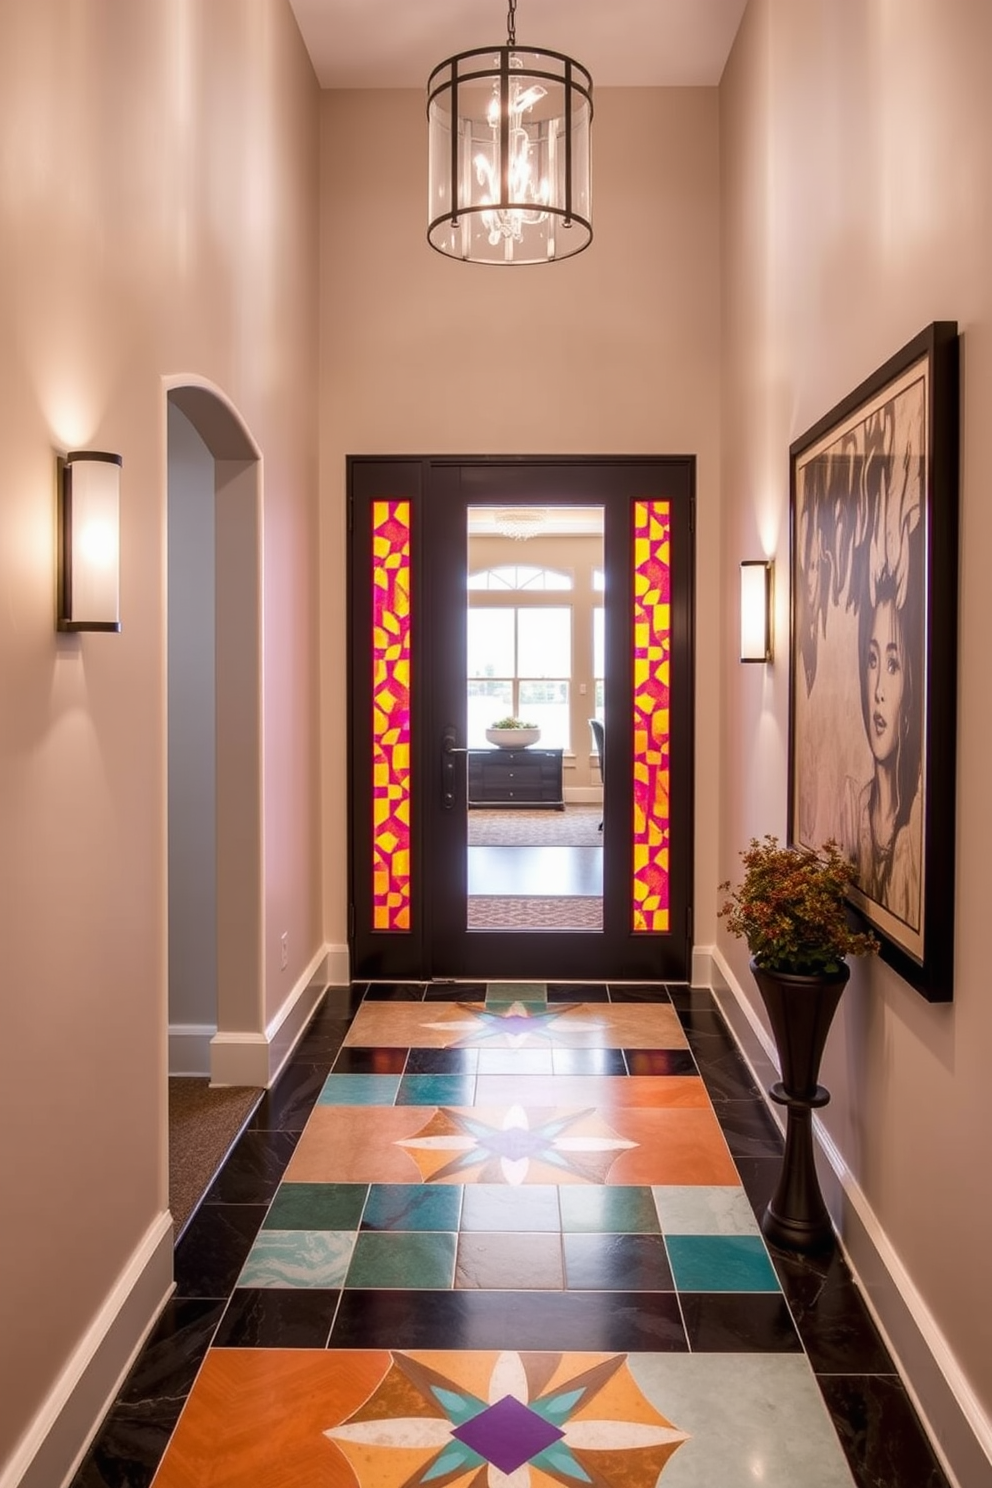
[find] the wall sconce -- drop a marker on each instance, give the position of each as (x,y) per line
(756,610)
(89,541)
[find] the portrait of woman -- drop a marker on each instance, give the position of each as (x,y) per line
(859,696)
(884,827)
(872,700)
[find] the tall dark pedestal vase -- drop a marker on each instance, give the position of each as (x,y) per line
(800,1010)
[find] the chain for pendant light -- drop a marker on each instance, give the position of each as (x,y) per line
(511,24)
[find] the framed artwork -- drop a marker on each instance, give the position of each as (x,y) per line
(874,543)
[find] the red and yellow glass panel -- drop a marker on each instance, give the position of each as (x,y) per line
(391,715)
(651,764)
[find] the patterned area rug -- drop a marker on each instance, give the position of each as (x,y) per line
(576,826)
(537,912)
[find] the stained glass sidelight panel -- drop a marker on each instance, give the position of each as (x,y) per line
(652,660)
(391,715)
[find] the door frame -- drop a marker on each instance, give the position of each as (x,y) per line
(437,487)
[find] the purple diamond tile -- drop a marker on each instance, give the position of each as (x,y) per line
(508,1434)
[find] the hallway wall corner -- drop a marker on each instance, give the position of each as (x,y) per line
(250,1058)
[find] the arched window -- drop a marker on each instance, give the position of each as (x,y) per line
(520,576)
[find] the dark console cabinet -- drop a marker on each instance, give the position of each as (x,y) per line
(515,777)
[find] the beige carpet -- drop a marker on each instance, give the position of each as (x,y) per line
(203,1124)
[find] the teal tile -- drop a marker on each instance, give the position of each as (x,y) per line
(408,1206)
(298,1258)
(720,1263)
(393,1259)
(316,1206)
(436,1090)
(359,1090)
(702,1210)
(533,993)
(608,1210)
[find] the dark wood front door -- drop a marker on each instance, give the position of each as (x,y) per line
(408,570)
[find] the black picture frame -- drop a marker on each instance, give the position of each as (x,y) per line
(873,655)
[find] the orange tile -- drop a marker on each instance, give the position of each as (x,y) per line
(256,1419)
(603,1091)
(441,1025)
(673,1147)
(357,1144)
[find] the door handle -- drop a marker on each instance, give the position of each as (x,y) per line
(448,751)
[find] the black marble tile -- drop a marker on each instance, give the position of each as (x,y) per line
(577,992)
(394,992)
(173,1352)
(126,1454)
(333,1014)
(276,1317)
(703,1022)
(254,1169)
(442,1062)
(646,1322)
(749,1128)
(321,1041)
(455,992)
(288,1104)
(359,1061)
(341,1001)
(132,1439)
(213,1249)
(691,1000)
(759,1176)
(588,1062)
(885,1445)
(739,1322)
(660,1062)
(830,1313)
(617,1263)
(639,992)
(724,1069)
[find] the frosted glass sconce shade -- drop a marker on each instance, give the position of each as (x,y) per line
(89,541)
(756,611)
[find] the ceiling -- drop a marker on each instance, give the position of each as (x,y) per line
(623,43)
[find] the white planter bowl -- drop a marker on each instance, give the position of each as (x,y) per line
(513,738)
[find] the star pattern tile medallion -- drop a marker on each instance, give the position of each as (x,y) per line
(456,1146)
(507,1420)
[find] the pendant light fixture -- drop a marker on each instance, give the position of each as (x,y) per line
(510,166)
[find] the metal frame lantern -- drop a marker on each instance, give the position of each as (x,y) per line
(510,163)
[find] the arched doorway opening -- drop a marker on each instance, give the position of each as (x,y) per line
(216,993)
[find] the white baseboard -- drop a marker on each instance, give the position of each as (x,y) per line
(958,1426)
(702,967)
(249,1058)
(583,795)
(337,966)
(189,1048)
(57,1439)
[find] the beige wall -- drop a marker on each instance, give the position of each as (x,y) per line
(613,352)
(158,184)
(856,141)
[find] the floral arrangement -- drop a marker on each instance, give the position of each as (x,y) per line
(512,723)
(791,908)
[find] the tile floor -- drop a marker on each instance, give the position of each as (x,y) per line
(506,1237)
